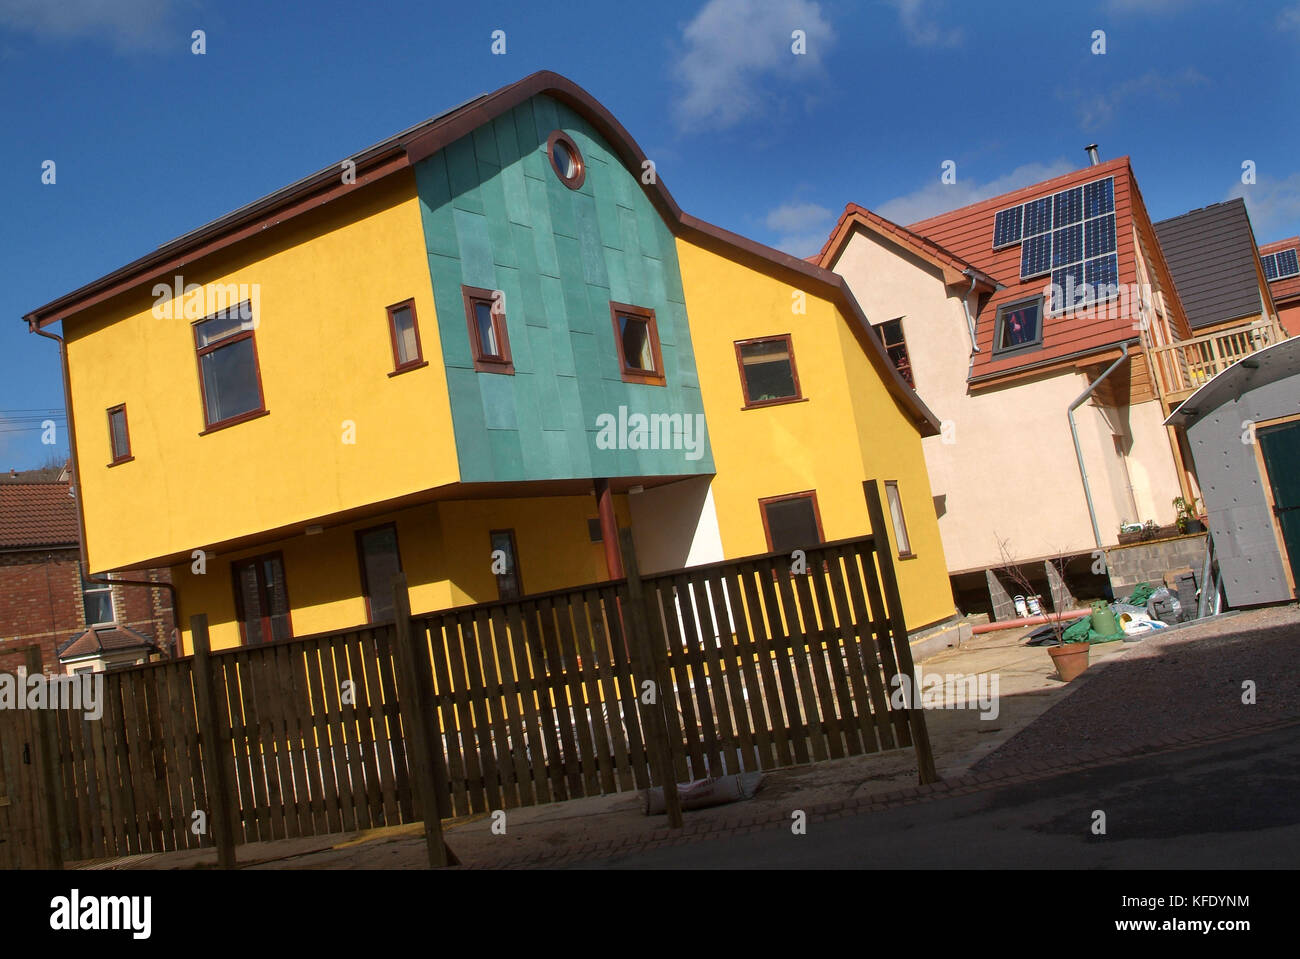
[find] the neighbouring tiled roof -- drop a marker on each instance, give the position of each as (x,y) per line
(104,639)
(33,515)
(1288,289)
(855,214)
(1211,252)
(968,233)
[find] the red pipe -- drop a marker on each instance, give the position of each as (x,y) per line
(1029,621)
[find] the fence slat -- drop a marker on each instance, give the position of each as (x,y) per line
(510,694)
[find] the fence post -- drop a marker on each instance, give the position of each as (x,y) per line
(47,750)
(635,618)
(898,630)
(419,723)
(215,743)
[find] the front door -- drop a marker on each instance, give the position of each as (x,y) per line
(1280,448)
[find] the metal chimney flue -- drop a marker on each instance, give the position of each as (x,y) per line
(1093,158)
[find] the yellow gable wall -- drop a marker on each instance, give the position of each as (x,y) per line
(324,351)
(849,429)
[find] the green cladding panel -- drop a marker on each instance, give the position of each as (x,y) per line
(496,216)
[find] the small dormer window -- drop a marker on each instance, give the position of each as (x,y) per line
(1019,326)
(566,159)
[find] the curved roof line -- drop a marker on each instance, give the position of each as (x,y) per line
(1226,379)
(410,147)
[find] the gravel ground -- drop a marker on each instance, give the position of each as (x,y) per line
(1187,679)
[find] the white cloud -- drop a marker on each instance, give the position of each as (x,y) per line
(924,26)
(1274,205)
(937,197)
(1289,19)
(1098,110)
(737,58)
(801,228)
(128,25)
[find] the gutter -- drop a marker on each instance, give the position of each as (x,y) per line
(1074,434)
(33,326)
(970,321)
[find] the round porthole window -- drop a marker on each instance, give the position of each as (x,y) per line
(566,159)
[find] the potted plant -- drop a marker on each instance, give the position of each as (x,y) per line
(1070,657)
(1188,521)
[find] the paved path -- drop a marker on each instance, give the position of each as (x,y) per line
(1226,804)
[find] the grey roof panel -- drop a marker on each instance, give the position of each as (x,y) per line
(1211,253)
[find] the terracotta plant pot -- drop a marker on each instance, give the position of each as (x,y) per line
(1070,659)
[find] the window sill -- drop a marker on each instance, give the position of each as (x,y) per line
(645,379)
(903,556)
(234,421)
(125,459)
(408,368)
(489,366)
(764,404)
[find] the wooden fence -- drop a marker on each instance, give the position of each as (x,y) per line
(734,666)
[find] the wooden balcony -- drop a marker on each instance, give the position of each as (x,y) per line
(1187,365)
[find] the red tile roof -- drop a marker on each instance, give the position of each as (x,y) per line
(37,514)
(968,234)
(104,639)
(1283,290)
(855,215)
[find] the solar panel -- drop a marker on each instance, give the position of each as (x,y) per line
(1038,216)
(1067,288)
(1099,197)
(1036,256)
(1067,207)
(1099,236)
(1006,227)
(1099,273)
(1067,245)
(1288,264)
(1270,266)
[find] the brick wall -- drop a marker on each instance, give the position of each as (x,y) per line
(40,603)
(1156,563)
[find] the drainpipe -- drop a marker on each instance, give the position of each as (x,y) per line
(34,327)
(970,321)
(1074,433)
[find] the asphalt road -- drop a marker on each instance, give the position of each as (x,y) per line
(1233,805)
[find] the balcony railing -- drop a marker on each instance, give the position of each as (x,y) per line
(1187,365)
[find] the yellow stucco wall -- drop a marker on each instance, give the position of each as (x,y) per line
(445,552)
(849,429)
(324,281)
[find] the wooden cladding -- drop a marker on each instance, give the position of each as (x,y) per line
(537,700)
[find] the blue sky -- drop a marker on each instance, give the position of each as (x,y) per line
(151,140)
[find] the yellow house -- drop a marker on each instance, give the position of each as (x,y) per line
(473,352)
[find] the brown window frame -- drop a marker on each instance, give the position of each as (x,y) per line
(809,494)
(575,181)
(484,363)
(126,432)
(361,562)
(202,351)
(902,554)
(634,374)
(519,571)
(419,360)
(794,372)
(905,371)
(235,564)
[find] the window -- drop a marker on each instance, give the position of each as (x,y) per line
(637,335)
(261,599)
(767,371)
(1019,326)
(380,562)
(510,584)
(891,335)
(791,522)
(900,522)
(228,373)
(489,342)
(118,436)
(566,159)
(97,599)
(405,333)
